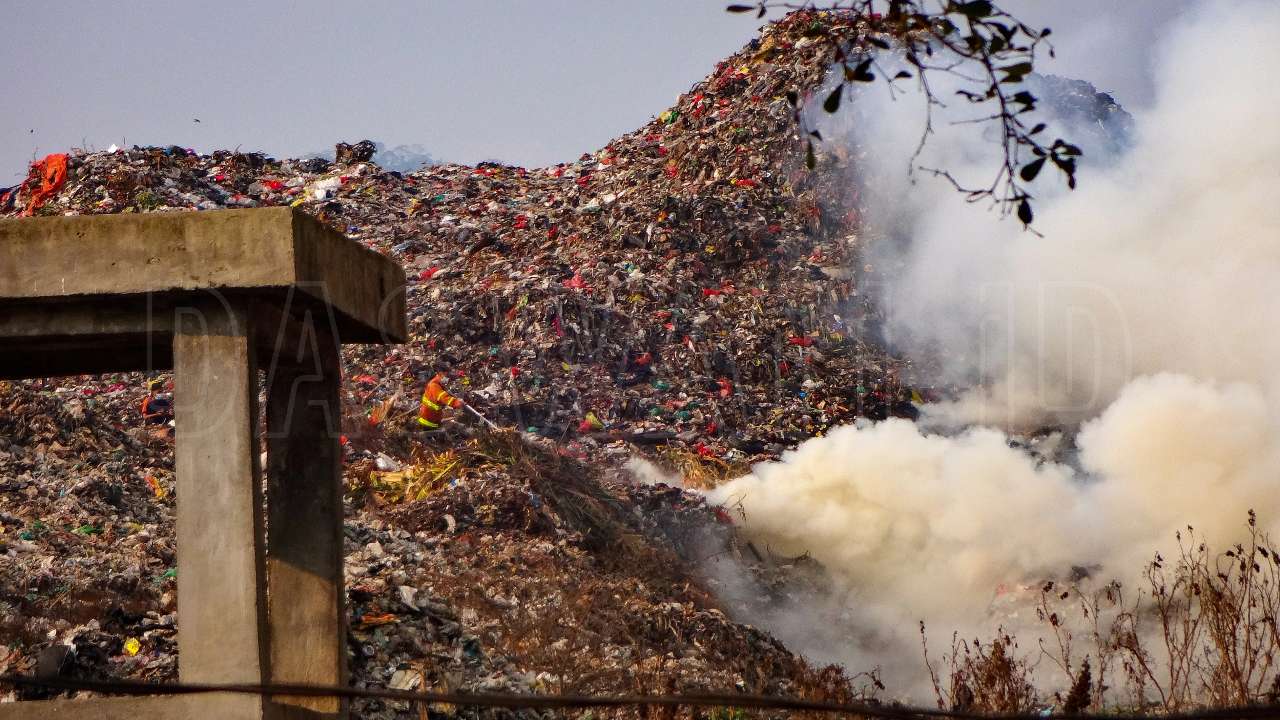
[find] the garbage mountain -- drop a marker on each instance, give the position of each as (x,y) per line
(687,286)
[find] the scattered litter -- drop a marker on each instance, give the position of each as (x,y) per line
(684,291)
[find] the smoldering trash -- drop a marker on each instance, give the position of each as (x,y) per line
(759,420)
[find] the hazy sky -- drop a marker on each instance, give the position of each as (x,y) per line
(531,82)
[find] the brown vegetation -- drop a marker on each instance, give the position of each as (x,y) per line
(1201,633)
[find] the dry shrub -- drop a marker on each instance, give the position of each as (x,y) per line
(1201,633)
(990,678)
(1215,643)
(570,487)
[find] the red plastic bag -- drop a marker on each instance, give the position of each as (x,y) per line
(576,282)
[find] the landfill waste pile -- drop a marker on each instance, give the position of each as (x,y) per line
(401,158)
(491,564)
(692,280)
(86,534)
(689,289)
(1092,117)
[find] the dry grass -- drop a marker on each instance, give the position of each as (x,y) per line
(989,677)
(1202,632)
(697,471)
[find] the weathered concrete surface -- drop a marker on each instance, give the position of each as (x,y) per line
(216,296)
(222,706)
(48,340)
(304,544)
(222,583)
(90,260)
(171,707)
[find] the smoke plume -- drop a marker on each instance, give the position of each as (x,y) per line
(1142,317)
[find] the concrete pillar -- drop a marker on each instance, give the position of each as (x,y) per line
(260,598)
(222,610)
(304,517)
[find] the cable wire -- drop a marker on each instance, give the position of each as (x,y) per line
(511,700)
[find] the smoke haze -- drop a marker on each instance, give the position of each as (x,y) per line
(1144,313)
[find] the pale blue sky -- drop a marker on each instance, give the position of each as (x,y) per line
(527,82)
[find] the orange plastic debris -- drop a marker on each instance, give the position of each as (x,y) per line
(52,172)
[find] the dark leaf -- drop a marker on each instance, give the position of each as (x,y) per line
(902,75)
(832,103)
(792,97)
(1032,169)
(862,72)
(761,13)
(975,9)
(816,135)
(1021,68)
(740,8)
(1046,32)
(809,160)
(1024,212)
(1038,128)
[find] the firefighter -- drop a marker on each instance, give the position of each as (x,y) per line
(434,400)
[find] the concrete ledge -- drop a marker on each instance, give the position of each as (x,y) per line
(282,251)
(160,707)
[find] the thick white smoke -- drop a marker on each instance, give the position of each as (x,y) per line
(1146,306)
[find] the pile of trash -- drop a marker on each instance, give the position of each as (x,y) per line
(692,281)
(692,285)
(517,570)
(523,553)
(86,535)
(1091,118)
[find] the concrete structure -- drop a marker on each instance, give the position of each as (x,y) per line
(219,297)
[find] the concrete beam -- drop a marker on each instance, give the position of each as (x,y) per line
(226,706)
(89,338)
(259,251)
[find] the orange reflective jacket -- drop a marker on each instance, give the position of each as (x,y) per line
(434,400)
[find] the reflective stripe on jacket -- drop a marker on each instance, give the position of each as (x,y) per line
(434,400)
